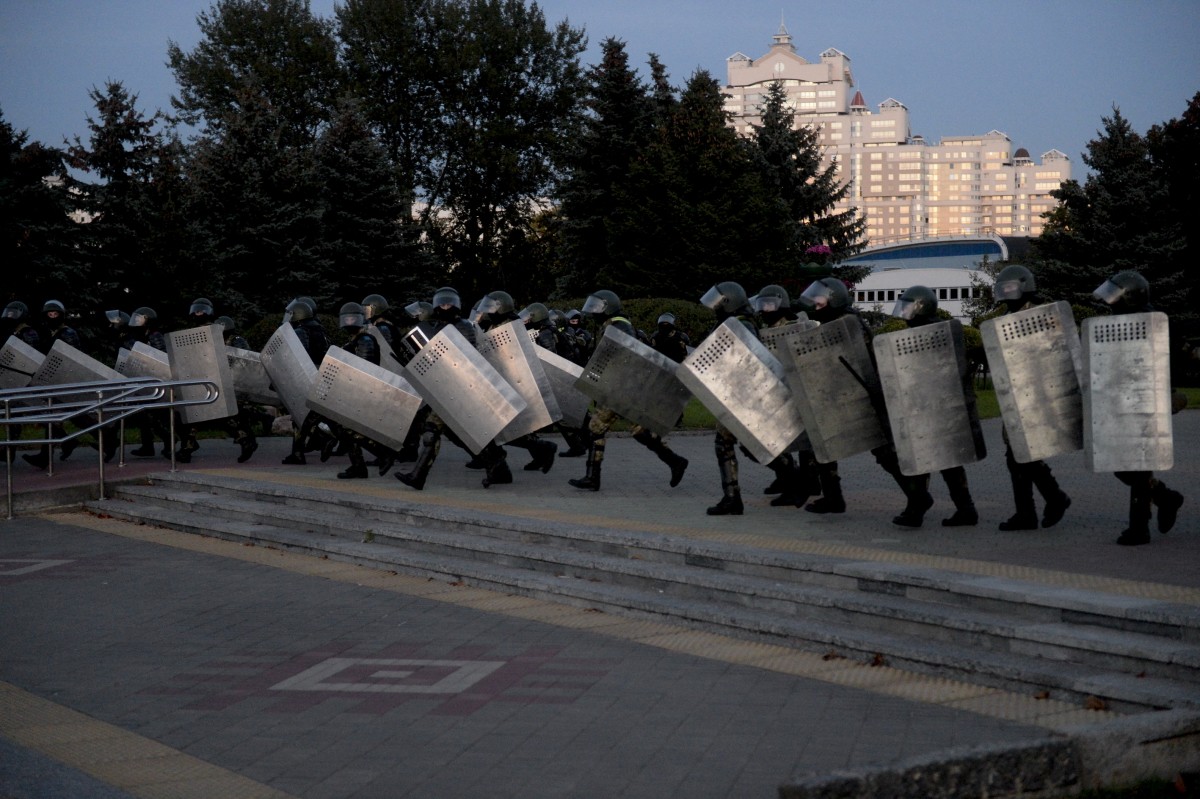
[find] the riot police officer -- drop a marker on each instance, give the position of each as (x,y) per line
(352,319)
(1125,293)
(16,323)
(447,311)
(669,339)
(1016,289)
(537,319)
(55,327)
(301,314)
(143,326)
(584,341)
(604,307)
(917,306)
(827,300)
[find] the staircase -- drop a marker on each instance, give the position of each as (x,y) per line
(1134,654)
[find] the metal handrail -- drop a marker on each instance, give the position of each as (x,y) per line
(120,398)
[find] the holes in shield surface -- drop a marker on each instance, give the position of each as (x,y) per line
(821,339)
(707,357)
(328,378)
(190,339)
(1029,326)
(922,341)
(1115,330)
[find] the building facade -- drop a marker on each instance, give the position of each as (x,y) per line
(905,187)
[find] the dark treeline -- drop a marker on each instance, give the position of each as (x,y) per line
(403,145)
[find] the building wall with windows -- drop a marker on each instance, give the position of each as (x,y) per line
(905,186)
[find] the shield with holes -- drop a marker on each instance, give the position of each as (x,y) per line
(19,362)
(1035,359)
(142,360)
(198,353)
(930,401)
(1127,393)
(742,385)
(510,351)
(291,371)
(363,397)
(634,380)
(250,379)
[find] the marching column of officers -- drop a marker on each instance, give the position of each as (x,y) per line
(798,476)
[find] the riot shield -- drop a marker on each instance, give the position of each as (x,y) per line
(1035,360)
(291,371)
(65,364)
(463,389)
(1127,393)
(835,386)
(19,362)
(930,404)
(635,381)
(144,361)
(251,382)
(563,375)
(773,337)
(366,398)
(198,353)
(510,351)
(387,355)
(743,386)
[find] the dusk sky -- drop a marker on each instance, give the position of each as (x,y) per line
(1043,71)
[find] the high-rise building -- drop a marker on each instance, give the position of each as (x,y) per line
(907,188)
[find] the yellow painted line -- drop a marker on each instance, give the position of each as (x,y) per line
(794,542)
(121,759)
(881,679)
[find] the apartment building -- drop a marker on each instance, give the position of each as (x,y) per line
(906,187)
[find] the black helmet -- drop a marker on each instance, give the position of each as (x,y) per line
(602,303)
(917,305)
(826,299)
(771,301)
(116,319)
(573,316)
(726,298)
(420,310)
(558,318)
(494,306)
(310,302)
(534,313)
(374,306)
(297,311)
(201,307)
(351,316)
(446,296)
(1127,289)
(53,306)
(227,323)
(141,317)
(1013,283)
(16,310)
(666,319)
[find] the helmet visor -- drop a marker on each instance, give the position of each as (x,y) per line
(816,296)
(1007,290)
(906,309)
(595,305)
(352,319)
(447,298)
(138,320)
(768,304)
(1108,292)
(712,298)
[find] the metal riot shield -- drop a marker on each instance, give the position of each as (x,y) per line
(144,361)
(291,371)
(198,353)
(251,383)
(509,350)
(19,362)
(463,389)
(836,387)
(634,380)
(1127,393)
(364,397)
(563,374)
(930,404)
(387,355)
(772,337)
(1035,360)
(65,364)
(742,384)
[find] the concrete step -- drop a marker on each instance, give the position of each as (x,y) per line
(1131,668)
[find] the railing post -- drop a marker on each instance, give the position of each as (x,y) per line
(171,424)
(100,439)
(49,435)
(8,455)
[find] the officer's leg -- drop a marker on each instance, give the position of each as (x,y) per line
(915,488)
(654,443)
(357,469)
(831,499)
(1025,517)
(427,450)
(960,494)
(1055,500)
(730,504)
(1168,503)
(598,426)
(1140,497)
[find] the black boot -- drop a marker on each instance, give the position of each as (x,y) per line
(430,443)
(655,444)
(1168,502)
(358,466)
(731,494)
(965,514)
(248,444)
(591,478)
(790,483)
(831,499)
(1055,499)
(543,453)
(39,459)
(1025,517)
(916,489)
(497,471)
(1138,532)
